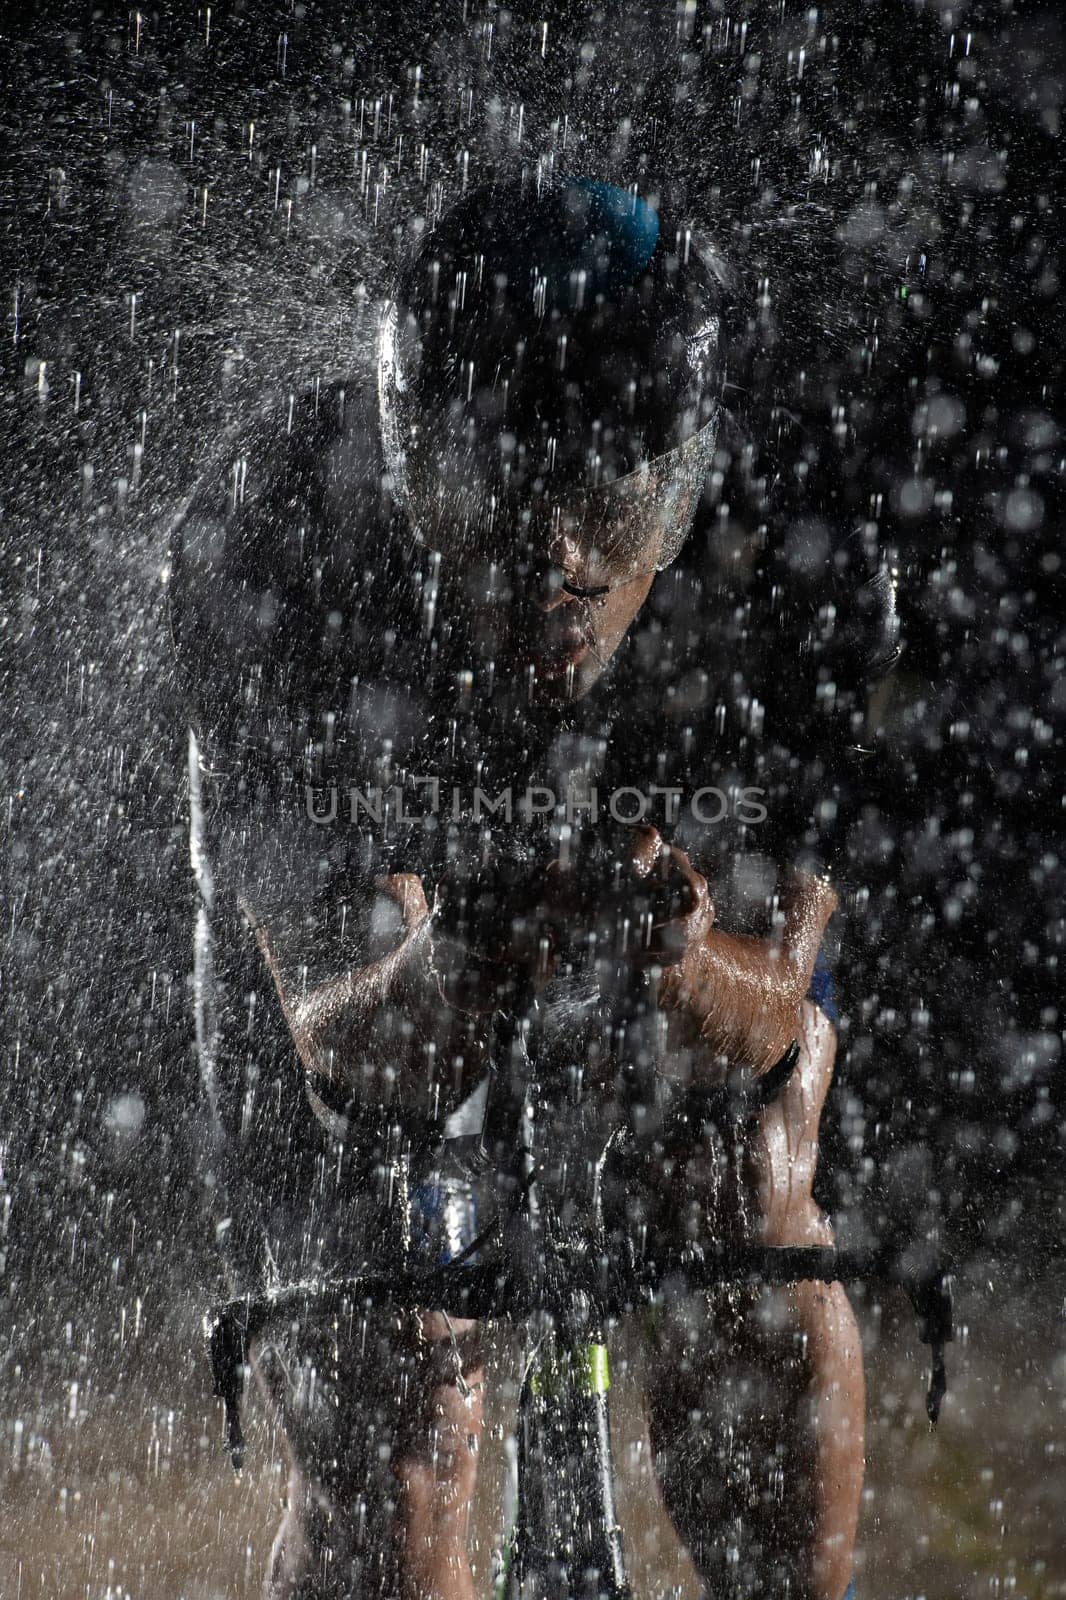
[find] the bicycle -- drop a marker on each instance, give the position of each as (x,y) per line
(557,1277)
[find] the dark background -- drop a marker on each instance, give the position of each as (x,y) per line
(902,202)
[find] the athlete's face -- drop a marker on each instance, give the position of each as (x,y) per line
(542,576)
(548,622)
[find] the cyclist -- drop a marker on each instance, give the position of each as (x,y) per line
(414,594)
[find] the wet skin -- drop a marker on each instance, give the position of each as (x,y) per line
(383,1425)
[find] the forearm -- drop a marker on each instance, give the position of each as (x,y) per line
(374,1017)
(740,997)
(383,1030)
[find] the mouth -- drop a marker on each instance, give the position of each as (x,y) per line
(561,649)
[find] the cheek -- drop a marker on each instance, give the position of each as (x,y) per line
(614,618)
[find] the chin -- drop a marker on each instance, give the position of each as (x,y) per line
(562,688)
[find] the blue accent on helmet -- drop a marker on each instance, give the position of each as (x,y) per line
(581,226)
(628,225)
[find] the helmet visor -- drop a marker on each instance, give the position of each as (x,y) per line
(637,525)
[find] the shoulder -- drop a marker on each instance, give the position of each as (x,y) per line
(280,559)
(293,498)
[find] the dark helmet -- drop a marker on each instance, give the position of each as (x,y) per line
(548,370)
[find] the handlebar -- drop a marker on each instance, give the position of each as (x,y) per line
(584,1289)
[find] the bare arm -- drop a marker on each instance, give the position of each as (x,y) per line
(739,998)
(398,1024)
(733,1000)
(382,1028)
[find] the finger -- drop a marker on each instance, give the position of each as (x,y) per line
(405,890)
(645,849)
(686,913)
(813,898)
(699,906)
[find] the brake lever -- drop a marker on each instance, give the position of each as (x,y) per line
(228,1339)
(930,1294)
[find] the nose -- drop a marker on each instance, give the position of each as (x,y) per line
(558,575)
(553,590)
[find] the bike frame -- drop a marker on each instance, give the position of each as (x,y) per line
(566,1538)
